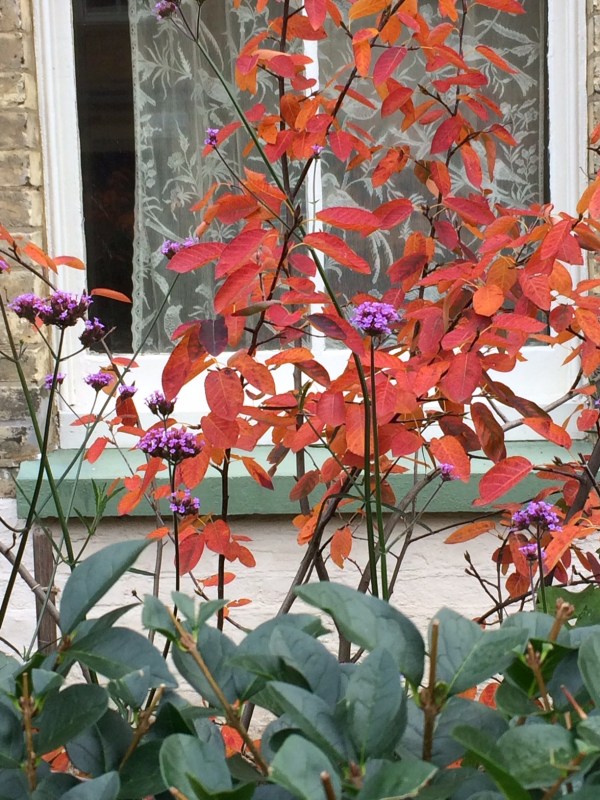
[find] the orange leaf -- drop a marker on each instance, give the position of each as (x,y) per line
(258,473)
(350,218)
(111,294)
(157,533)
(338,250)
(224,392)
(549,430)
(221,433)
(449,450)
(96,449)
(213,580)
(488,299)
(190,551)
(489,431)
(194,257)
(70,261)
(501,478)
(561,541)
(496,59)
(341,546)
(305,484)
(470,531)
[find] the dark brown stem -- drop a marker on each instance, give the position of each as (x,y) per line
(327,786)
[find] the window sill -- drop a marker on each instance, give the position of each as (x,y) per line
(247,497)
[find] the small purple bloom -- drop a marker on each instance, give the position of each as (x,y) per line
(447,472)
(99,380)
(63,308)
(127,391)
(374,318)
(159,405)
(530,551)
(174,444)
(94,331)
(539,514)
(184,504)
(4,267)
(169,248)
(26,306)
(211,137)
(49,380)
(597,402)
(317,149)
(164,9)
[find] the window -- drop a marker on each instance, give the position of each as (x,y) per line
(108,141)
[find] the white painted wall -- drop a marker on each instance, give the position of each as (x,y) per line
(433,574)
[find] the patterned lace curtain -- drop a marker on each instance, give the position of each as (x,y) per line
(177,97)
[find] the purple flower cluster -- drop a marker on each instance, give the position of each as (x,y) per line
(4,267)
(447,472)
(159,405)
(127,391)
(539,514)
(169,248)
(530,551)
(61,308)
(374,318)
(174,444)
(99,380)
(49,380)
(211,137)
(94,331)
(164,9)
(184,504)
(317,149)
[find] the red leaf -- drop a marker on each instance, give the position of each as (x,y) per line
(446,134)
(338,250)
(258,473)
(510,6)
(470,531)
(501,478)
(496,59)
(449,450)
(96,450)
(236,286)
(224,392)
(192,470)
(194,257)
(549,430)
(221,433)
(190,552)
(254,373)
(218,536)
(489,431)
(405,442)
(341,546)
(239,250)
(331,408)
(397,98)
(393,213)
(587,419)
(111,294)
(305,485)
(463,377)
(473,210)
(86,419)
(316,11)
(350,218)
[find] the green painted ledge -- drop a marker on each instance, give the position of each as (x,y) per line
(247,497)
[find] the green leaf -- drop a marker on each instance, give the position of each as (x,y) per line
(459,712)
(489,756)
(182,756)
(54,786)
(514,702)
(537,624)
(156,617)
(9,667)
(589,730)
(298,766)
(217,651)
(589,659)
(376,706)
(370,622)
(132,689)
(532,753)
(140,776)
(586,603)
(467,655)
(106,787)
(310,714)
(67,713)
(11,736)
(119,651)
(101,747)
(44,681)
(91,579)
(387,780)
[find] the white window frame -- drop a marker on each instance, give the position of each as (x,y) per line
(542,376)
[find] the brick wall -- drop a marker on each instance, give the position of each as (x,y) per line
(22,212)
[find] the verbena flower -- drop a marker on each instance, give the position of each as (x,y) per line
(49,379)
(127,391)
(530,551)
(174,444)
(317,149)
(98,380)
(374,318)
(211,137)
(159,405)
(25,306)
(184,504)
(4,267)
(447,472)
(169,248)
(539,514)
(94,331)
(164,9)
(63,309)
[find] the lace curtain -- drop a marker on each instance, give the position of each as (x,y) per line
(177,97)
